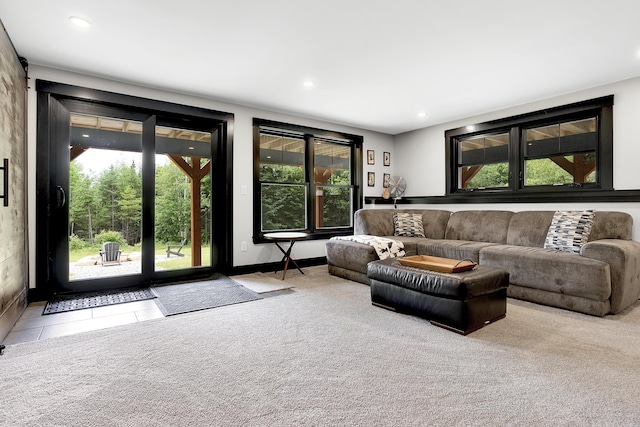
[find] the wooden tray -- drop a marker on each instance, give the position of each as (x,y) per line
(434,263)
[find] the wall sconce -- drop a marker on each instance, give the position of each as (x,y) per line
(5,169)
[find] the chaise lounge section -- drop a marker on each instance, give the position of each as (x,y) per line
(603,278)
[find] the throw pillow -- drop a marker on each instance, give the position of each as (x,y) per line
(569,230)
(408,224)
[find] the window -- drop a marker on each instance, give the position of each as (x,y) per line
(306,179)
(566,148)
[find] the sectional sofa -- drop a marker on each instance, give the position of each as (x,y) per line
(603,278)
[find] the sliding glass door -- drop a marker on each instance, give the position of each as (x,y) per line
(129,196)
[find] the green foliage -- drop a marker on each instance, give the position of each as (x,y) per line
(493,175)
(76,243)
(112,200)
(337,207)
(109,236)
(173,204)
(284,206)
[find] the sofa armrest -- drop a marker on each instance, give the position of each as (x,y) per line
(623,257)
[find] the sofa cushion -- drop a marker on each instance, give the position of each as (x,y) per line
(350,255)
(611,225)
(379,222)
(529,228)
(569,230)
(551,270)
(452,249)
(479,226)
(408,224)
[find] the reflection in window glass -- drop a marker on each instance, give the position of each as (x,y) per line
(283,207)
(281,159)
(332,173)
(183,198)
(483,161)
(562,153)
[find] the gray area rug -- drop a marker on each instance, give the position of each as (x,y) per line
(215,292)
(63,303)
(324,356)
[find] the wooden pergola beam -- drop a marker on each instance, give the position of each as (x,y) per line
(195,174)
(468,173)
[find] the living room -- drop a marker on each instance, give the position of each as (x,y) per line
(417,152)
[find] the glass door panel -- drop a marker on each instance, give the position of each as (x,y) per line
(105,197)
(183,199)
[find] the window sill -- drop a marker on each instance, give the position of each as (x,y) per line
(578,196)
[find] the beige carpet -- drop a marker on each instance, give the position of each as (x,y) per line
(323,355)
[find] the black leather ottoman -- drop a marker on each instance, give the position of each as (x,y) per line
(462,302)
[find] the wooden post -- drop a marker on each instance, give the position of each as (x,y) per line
(195,174)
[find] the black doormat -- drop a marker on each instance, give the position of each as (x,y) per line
(215,292)
(62,303)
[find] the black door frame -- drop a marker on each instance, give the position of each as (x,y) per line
(53,124)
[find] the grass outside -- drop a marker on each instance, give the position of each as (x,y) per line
(173,263)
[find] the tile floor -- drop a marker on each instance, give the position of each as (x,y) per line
(33,325)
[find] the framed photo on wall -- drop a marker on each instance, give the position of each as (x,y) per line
(385,180)
(386,158)
(371,157)
(371,179)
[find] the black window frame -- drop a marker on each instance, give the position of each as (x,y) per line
(600,108)
(309,135)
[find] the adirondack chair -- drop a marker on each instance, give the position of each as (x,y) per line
(110,253)
(176,252)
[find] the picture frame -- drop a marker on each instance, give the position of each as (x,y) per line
(386,158)
(371,179)
(385,180)
(371,157)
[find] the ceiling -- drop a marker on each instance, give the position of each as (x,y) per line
(375,64)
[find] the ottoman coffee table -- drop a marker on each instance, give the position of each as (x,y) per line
(462,302)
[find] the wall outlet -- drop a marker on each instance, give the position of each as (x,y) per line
(243,246)
(243,189)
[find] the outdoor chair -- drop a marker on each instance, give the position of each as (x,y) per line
(176,252)
(110,253)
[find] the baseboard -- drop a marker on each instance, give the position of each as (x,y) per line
(273,266)
(11,315)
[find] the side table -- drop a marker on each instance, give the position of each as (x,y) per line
(286,236)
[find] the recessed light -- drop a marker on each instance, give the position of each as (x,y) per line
(308,84)
(471,128)
(422,114)
(190,148)
(80,21)
(85,135)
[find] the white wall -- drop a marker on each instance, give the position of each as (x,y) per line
(422,152)
(242,159)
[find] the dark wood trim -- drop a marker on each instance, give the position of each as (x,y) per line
(601,108)
(147,105)
(273,266)
(55,96)
(574,196)
(308,134)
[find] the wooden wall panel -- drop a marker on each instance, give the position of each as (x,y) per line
(13,272)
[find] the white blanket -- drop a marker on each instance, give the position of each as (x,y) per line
(385,248)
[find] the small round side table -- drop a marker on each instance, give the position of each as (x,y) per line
(286,236)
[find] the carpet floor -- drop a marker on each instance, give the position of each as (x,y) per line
(322,355)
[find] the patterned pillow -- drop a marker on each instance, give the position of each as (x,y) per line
(408,224)
(569,230)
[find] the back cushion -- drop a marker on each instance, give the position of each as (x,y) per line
(479,226)
(379,222)
(611,225)
(529,228)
